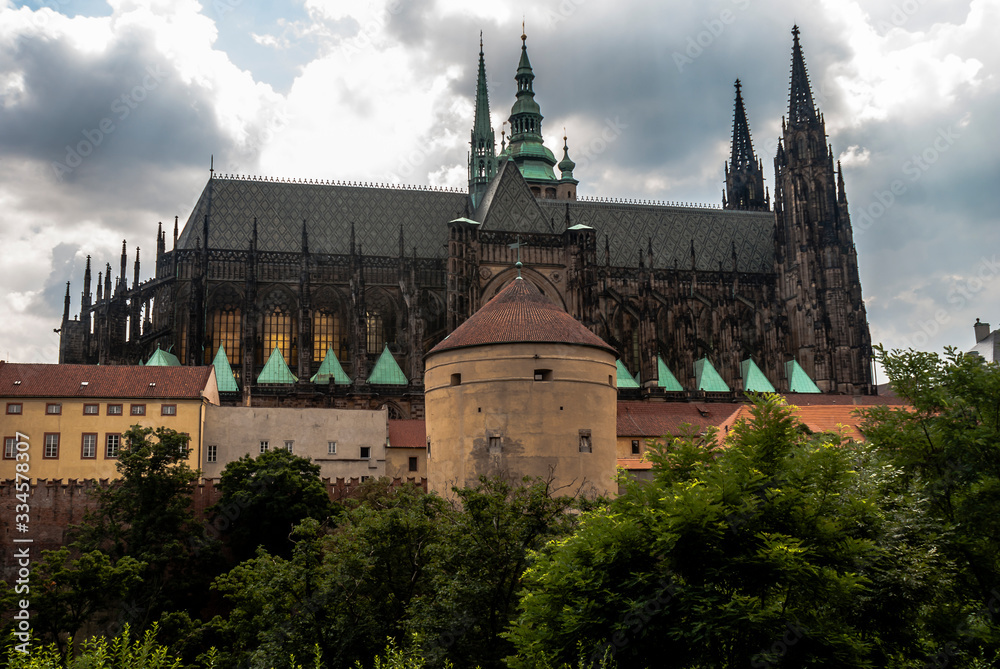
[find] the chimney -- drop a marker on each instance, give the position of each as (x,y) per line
(982,330)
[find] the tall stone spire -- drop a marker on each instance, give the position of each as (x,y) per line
(800,101)
(815,258)
(744,172)
(483,154)
(526,147)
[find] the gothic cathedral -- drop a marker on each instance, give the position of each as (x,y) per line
(318,293)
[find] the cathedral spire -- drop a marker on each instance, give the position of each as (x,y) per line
(534,160)
(483,156)
(742,149)
(744,173)
(800,101)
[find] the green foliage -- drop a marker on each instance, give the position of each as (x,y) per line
(482,554)
(344,590)
(264,497)
(68,593)
(121,652)
(772,550)
(146,515)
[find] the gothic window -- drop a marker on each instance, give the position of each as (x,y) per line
(226,332)
(376,332)
(380,321)
(182,341)
(278,334)
(326,333)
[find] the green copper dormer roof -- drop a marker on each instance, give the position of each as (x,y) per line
(331,371)
(625,379)
(754,380)
(707,379)
(798,380)
(224,372)
(161,358)
(276,371)
(665,378)
(387,372)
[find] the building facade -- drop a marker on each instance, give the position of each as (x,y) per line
(311,269)
(71,417)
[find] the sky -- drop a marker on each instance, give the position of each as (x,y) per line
(110,113)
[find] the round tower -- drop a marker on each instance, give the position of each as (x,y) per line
(522,389)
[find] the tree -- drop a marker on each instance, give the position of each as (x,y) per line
(146,514)
(769,549)
(947,444)
(483,553)
(66,593)
(263,498)
(344,589)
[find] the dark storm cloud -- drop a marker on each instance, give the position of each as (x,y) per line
(102,122)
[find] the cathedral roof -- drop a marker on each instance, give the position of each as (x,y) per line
(507,205)
(672,231)
(280,207)
(520,314)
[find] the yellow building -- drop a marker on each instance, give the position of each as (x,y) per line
(69,418)
(521,389)
(406,452)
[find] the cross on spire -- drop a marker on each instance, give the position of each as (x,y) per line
(517,245)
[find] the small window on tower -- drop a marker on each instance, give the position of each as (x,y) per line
(495,447)
(456,379)
(585,444)
(543,375)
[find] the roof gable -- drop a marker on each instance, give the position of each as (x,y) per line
(331,371)
(161,358)
(224,372)
(386,371)
(798,380)
(753,378)
(707,379)
(276,371)
(509,204)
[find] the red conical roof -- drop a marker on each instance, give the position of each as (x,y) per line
(520,313)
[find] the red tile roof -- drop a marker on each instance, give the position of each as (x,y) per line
(407,434)
(840,418)
(634,463)
(657,419)
(810,399)
(102,381)
(520,313)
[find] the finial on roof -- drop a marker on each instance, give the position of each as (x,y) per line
(211,166)
(517,245)
(524,33)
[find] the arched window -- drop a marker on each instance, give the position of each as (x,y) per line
(376,332)
(226,331)
(326,333)
(278,334)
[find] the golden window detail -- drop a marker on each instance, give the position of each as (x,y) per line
(226,331)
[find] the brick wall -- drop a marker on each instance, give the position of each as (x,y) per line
(58,504)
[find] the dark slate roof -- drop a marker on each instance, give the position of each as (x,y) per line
(520,313)
(102,381)
(715,232)
(281,206)
(509,205)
